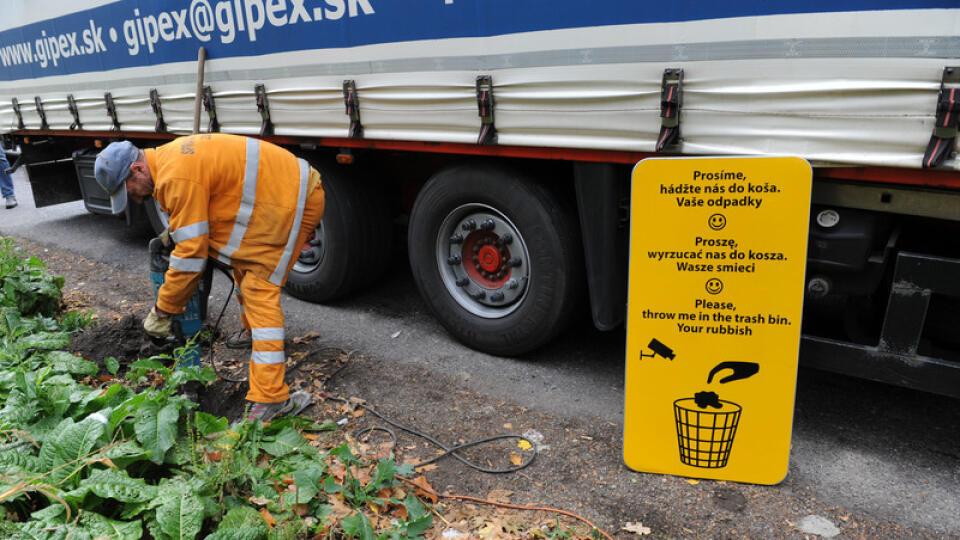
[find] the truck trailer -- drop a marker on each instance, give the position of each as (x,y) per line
(495,138)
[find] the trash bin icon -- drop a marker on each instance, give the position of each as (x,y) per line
(705,436)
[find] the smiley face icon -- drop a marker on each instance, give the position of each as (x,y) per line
(717,221)
(714,286)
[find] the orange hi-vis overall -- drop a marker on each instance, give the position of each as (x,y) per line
(249,204)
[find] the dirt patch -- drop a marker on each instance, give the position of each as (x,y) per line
(123,339)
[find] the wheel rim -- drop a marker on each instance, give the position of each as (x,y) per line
(483,260)
(312,252)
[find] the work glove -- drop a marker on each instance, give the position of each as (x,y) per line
(156,326)
(165,238)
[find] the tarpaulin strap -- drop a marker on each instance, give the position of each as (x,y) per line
(944,135)
(41,113)
(352,103)
(211,107)
(16,110)
(485,106)
(75,111)
(671,99)
(112,110)
(263,107)
(161,126)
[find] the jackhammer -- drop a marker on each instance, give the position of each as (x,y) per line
(189,323)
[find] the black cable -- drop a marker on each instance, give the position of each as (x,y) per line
(447,451)
(366,430)
(216,327)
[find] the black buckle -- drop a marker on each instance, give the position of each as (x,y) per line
(485,108)
(16,110)
(75,111)
(671,100)
(161,126)
(944,135)
(211,107)
(263,107)
(352,103)
(41,113)
(112,110)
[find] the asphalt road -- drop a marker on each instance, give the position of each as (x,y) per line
(889,452)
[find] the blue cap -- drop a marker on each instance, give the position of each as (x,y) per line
(112,168)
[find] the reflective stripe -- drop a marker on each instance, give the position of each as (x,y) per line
(190,231)
(281,271)
(246,203)
(268,357)
(188,265)
(263,334)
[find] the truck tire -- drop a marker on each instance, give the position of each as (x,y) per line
(496,257)
(352,244)
(159,220)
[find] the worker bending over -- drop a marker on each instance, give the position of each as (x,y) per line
(244,202)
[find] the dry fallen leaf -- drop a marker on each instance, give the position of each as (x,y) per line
(494,530)
(500,496)
(524,444)
(426,468)
(516,460)
(268,517)
(338,507)
(306,338)
(424,489)
(384,450)
(636,528)
(109,463)
(692,482)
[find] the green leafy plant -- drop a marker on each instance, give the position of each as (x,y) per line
(81,458)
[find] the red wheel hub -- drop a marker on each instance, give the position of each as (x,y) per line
(484,260)
(489,258)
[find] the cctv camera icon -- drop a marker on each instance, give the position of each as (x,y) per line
(658,349)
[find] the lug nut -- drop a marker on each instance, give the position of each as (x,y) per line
(469,225)
(453,260)
(512,284)
(497,297)
(462,282)
(488,225)
(479,295)
(505,239)
(456,239)
(515,261)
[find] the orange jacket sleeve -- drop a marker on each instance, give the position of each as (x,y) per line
(187,203)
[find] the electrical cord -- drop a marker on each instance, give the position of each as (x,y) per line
(216,327)
(450,451)
(447,450)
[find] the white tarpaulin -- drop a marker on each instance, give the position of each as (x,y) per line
(855,87)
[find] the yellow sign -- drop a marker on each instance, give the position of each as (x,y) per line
(717,254)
